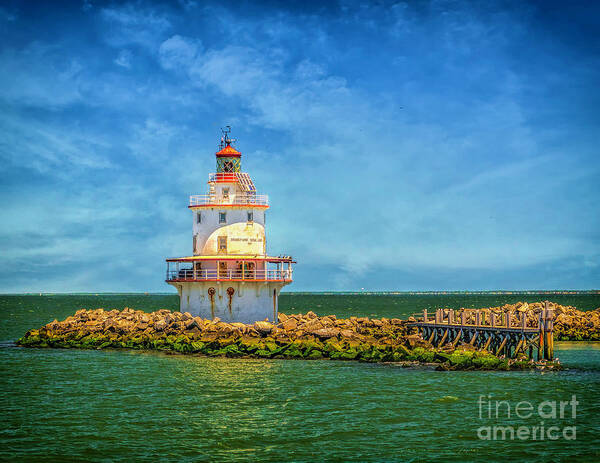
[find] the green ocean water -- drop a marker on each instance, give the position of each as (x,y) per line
(117,405)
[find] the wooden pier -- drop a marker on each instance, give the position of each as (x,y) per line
(507,333)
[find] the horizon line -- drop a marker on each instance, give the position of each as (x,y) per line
(327,292)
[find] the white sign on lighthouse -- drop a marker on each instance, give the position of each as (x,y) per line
(229,275)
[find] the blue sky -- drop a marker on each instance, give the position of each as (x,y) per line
(405,146)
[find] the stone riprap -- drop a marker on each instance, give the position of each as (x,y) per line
(301,336)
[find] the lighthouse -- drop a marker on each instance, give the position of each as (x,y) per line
(230,275)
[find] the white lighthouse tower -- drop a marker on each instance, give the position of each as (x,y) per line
(229,275)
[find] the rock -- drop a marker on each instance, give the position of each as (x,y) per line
(524,307)
(290,324)
(326,333)
(348,334)
(241,327)
(414,340)
(281,317)
(312,325)
(263,328)
(563,319)
(191,323)
(160,325)
(310,314)
(326,321)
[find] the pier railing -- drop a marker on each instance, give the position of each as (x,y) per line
(506,332)
(229,275)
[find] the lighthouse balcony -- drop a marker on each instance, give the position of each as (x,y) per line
(229,275)
(229,268)
(231,200)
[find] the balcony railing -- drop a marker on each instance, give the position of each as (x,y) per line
(223,177)
(238,199)
(232,275)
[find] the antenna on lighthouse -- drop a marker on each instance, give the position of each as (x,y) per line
(225,140)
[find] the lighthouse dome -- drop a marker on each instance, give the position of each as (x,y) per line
(228,152)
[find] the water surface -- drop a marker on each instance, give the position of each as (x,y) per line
(117,405)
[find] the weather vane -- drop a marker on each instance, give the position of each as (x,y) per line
(225,140)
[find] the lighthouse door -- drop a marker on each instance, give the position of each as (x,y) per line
(222,244)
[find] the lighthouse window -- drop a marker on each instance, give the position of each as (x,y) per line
(225,193)
(198,218)
(250,216)
(222,217)
(222,244)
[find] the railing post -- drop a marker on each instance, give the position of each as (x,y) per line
(462,317)
(477,318)
(548,332)
(450,316)
(542,341)
(508,317)
(424,315)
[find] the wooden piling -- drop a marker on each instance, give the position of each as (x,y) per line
(502,344)
(458,336)
(441,343)
(519,345)
(549,333)
(487,343)
(473,338)
(542,327)
(430,340)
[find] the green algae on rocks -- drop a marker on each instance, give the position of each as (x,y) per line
(296,336)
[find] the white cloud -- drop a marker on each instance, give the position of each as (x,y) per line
(50,148)
(178,52)
(124,59)
(39,74)
(133,23)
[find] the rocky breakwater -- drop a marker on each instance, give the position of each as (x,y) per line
(571,324)
(300,336)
